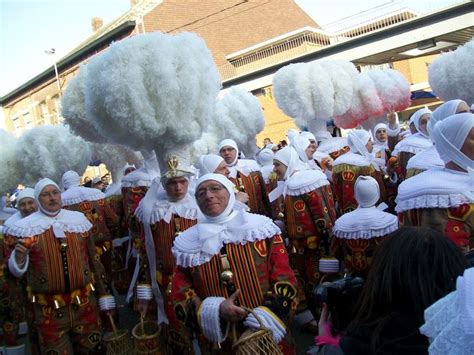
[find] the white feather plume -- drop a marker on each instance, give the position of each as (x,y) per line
(451,75)
(73,108)
(153,91)
(239,116)
(291,89)
(318,90)
(115,156)
(10,173)
(49,151)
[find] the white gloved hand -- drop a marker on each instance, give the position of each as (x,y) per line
(269,320)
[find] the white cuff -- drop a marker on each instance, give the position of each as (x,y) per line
(393,132)
(107,303)
(23,328)
(270,321)
(15,269)
(209,319)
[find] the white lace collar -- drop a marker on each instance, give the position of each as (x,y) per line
(113,190)
(11,221)
(351,159)
(200,243)
(449,322)
(427,159)
(38,222)
(78,194)
(435,188)
(413,144)
(305,181)
(365,223)
(243,166)
(299,183)
(163,209)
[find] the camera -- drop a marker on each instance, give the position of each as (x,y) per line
(340,296)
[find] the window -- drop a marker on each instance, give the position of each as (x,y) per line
(16,122)
(27,119)
(56,115)
(44,113)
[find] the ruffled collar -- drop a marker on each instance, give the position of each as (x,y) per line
(365,223)
(427,159)
(163,209)
(413,144)
(305,181)
(352,159)
(435,188)
(38,222)
(113,190)
(332,145)
(200,243)
(78,194)
(11,221)
(243,166)
(299,183)
(449,322)
(6,213)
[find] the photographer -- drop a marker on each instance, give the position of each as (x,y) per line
(419,266)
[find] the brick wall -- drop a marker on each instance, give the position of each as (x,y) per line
(228,26)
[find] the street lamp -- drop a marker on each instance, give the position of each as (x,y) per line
(52,51)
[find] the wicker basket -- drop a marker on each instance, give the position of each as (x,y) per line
(118,343)
(255,341)
(147,338)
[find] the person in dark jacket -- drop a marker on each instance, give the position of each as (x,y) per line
(411,270)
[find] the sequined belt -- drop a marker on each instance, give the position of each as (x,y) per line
(57,301)
(103,247)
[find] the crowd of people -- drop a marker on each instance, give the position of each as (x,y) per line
(215,251)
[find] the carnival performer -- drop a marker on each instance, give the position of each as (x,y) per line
(358,233)
(134,186)
(213,164)
(414,143)
(121,242)
(349,166)
(381,150)
(98,184)
(163,214)
(443,198)
(309,215)
(245,175)
(13,315)
(305,150)
(265,159)
(231,259)
(53,248)
(429,158)
(91,202)
(26,205)
(311,150)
